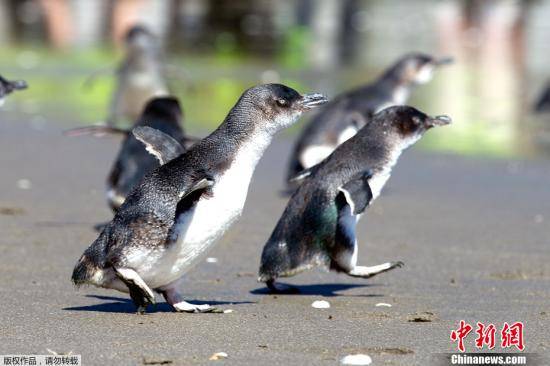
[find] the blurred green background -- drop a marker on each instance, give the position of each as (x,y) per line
(501,50)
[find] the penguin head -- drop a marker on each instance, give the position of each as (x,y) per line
(167,109)
(19,85)
(6,87)
(140,38)
(418,68)
(276,106)
(407,123)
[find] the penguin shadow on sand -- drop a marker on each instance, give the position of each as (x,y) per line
(327,290)
(116,304)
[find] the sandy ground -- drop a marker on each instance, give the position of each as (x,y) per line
(474,235)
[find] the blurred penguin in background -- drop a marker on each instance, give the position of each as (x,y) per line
(140,77)
(347,113)
(7,87)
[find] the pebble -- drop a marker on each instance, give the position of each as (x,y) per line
(218,356)
(358,359)
(320,304)
(24,184)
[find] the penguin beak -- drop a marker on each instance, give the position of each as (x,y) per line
(310,101)
(19,84)
(438,121)
(443,61)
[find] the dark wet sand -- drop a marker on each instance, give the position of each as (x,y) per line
(474,235)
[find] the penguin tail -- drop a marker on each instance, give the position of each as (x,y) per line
(264,277)
(271,264)
(90,268)
(266,272)
(86,272)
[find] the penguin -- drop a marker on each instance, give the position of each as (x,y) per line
(7,87)
(317,227)
(133,161)
(175,214)
(347,113)
(543,102)
(140,77)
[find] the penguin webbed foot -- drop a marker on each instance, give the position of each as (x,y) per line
(174,298)
(140,299)
(279,288)
(397,264)
(367,272)
(185,307)
(140,293)
(140,309)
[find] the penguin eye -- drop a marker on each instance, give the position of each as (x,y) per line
(282,102)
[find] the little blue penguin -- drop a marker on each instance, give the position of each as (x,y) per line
(140,77)
(7,87)
(347,113)
(317,227)
(170,220)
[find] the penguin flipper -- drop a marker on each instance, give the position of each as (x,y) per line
(353,198)
(96,130)
(357,192)
(157,143)
(191,194)
(199,185)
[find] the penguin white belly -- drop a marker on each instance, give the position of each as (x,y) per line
(197,229)
(425,74)
(379,179)
(146,79)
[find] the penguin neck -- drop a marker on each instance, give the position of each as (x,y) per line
(143,60)
(245,143)
(251,149)
(383,172)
